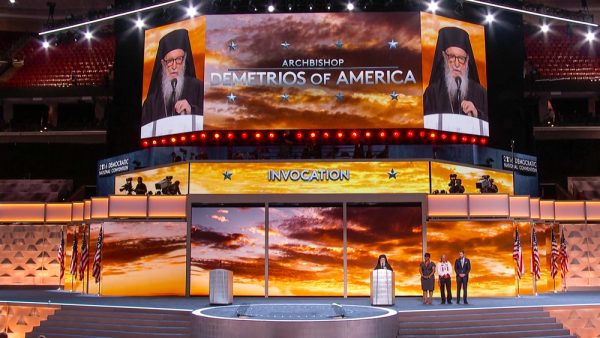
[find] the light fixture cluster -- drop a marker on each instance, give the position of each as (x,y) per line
(381,136)
(88,35)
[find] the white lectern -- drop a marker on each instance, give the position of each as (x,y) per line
(382,287)
(220,287)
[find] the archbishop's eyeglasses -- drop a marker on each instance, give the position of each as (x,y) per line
(456,58)
(178,60)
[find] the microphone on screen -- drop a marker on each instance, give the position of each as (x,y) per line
(458,93)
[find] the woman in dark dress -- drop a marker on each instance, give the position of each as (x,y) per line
(427,269)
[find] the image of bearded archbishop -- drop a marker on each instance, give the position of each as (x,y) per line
(174,89)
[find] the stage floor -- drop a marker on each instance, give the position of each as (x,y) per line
(402,303)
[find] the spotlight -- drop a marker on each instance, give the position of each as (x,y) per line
(192,11)
(329,6)
(12,1)
(46,44)
(310,6)
(88,35)
(139,23)
(350,6)
(489,18)
(271,8)
(290,7)
(433,6)
(590,36)
(545,28)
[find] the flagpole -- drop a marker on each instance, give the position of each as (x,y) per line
(564,279)
(517,256)
(553,259)
(62,238)
(73,254)
(534,279)
(87,268)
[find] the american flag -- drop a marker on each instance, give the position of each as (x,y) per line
(554,258)
(518,254)
(535,256)
(74,266)
(61,254)
(97,267)
(564,257)
(85,260)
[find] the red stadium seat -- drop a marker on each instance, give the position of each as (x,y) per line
(53,67)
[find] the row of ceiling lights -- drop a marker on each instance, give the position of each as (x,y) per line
(433,6)
(490,18)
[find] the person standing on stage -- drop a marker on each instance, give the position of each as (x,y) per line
(444,270)
(383,264)
(462,266)
(427,269)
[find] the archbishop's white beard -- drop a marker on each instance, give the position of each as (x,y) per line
(167,88)
(451,81)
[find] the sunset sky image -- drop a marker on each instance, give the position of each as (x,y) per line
(306,251)
(229,238)
(489,246)
(144,258)
(258,42)
(394,231)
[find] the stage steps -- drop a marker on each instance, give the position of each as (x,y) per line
(117,322)
(493,323)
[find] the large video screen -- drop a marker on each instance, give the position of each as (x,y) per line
(321,70)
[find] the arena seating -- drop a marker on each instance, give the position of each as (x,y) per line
(562,54)
(69,63)
(35,190)
(7,39)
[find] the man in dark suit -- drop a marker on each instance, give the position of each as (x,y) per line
(462,266)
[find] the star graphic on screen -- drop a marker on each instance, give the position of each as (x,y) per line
(285,45)
(285,97)
(392,174)
(339,44)
(394,95)
(393,44)
(339,96)
(231,98)
(232,46)
(227,175)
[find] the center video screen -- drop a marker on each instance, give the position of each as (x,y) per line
(314,71)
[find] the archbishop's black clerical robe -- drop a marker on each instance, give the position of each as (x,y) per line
(154,108)
(437,101)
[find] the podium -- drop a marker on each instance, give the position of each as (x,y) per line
(220,287)
(382,287)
